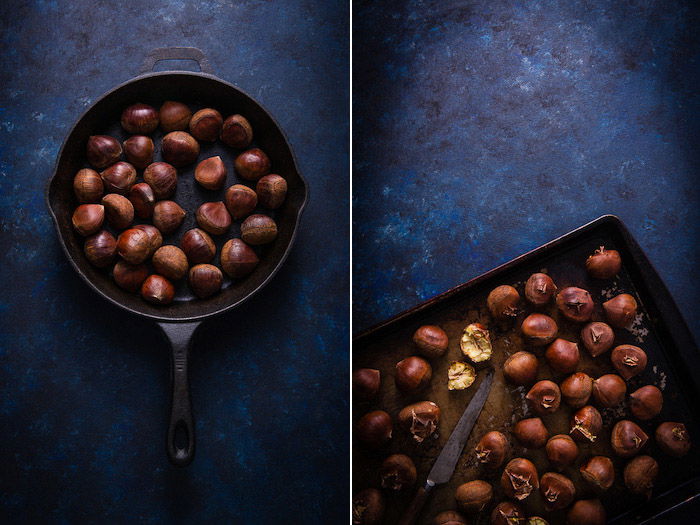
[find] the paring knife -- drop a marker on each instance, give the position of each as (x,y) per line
(445,464)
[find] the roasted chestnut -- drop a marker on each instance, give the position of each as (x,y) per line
(536,520)
(162,178)
(430,340)
(492,449)
(539,329)
(531,432)
(133,245)
(238,259)
(156,289)
(539,289)
(628,360)
(597,337)
(88,218)
(374,429)
(519,478)
(118,210)
(673,439)
(237,132)
(368,507)
(640,474)
(252,164)
(138,150)
(599,471)
(213,218)
(627,439)
(420,419)
(476,343)
(609,390)
(544,397)
(586,512)
(205,124)
(398,472)
(586,424)
(412,374)
(198,246)
(119,178)
(140,119)
(168,216)
(155,239)
(576,389)
(179,148)
(521,368)
(503,302)
(100,249)
(142,198)
(170,262)
(211,173)
(473,496)
(561,451)
(258,229)
(130,277)
(460,376)
(575,304)
(507,513)
(620,310)
(103,151)
(366,383)
(562,356)
(88,186)
(557,491)
(271,190)
(205,280)
(449,517)
(604,264)
(174,116)
(646,402)
(240,201)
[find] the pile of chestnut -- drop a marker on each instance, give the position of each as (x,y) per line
(584,395)
(110,200)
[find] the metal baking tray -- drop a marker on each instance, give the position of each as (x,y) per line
(673,362)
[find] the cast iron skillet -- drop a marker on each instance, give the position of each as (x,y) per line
(180,319)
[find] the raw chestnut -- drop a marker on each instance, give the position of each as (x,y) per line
(539,329)
(368,507)
(599,471)
(211,173)
(258,229)
(138,150)
(366,383)
(586,512)
(103,151)
(503,301)
(179,148)
(238,259)
(252,164)
(140,119)
(88,218)
(119,211)
(198,246)
(575,304)
(576,389)
(646,402)
(205,125)
(473,497)
(627,439)
(609,390)
(240,201)
(620,310)
(168,216)
(561,451)
(130,277)
(119,178)
(521,368)
(205,280)
(476,343)
(604,264)
(507,513)
(420,419)
(539,289)
(597,337)
(237,132)
(640,474)
(156,289)
(100,249)
(142,198)
(628,360)
(531,432)
(374,429)
(430,340)
(133,245)
(155,239)
(271,190)
(544,397)
(174,116)
(557,491)
(673,439)
(519,478)
(460,375)
(88,186)
(170,262)
(412,374)
(586,424)
(397,472)
(492,449)
(449,517)
(562,356)
(162,178)
(213,218)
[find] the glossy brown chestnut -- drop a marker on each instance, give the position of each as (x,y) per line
(599,471)
(179,148)
(627,439)
(168,216)
(561,451)
(412,374)
(492,449)
(539,329)
(430,340)
(531,432)
(586,424)
(604,264)
(597,337)
(140,119)
(576,389)
(673,439)
(258,229)
(449,517)
(118,210)
(398,472)
(620,310)
(130,277)
(100,249)
(170,262)
(271,190)
(544,397)
(205,280)
(133,245)
(374,429)
(88,218)
(503,302)
(103,151)
(142,198)
(507,513)
(157,289)
(562,356)
(87,186)
(240,201)
(368,507)
(211,173)
(575,304)
(640,474)
(252,164)
(138,150)
(238,259)
(174,116)
(521,368)
(237,132)
(420,419)
(557,491)
(198,246)
(473,497)
(539,289)
(366,383)
(162,178)
(586,512)
(118,178)
(628,360)
(205,125)
(519,478)
(646,402)
(609,390)
(155,239)
(213,218)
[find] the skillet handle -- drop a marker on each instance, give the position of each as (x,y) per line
(180,440)
(176,53)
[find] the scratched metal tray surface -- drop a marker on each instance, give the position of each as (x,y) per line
(658,328)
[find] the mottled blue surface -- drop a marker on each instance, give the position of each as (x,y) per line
(84,386)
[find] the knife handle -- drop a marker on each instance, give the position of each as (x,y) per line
(410,516)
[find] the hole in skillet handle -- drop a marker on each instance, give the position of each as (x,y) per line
(176,55)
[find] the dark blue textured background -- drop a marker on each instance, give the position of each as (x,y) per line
(84,386)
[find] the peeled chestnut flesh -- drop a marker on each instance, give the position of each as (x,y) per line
(133,245)
(211,173)
(586,512)
(366,383)
(646,402)
(168,216)
(476,343)
(198,246)
(561,451)
(252,164)
(237,132)
(503,302)
(604,264)
(562,356)
(205,280)
(368,507)
(599,471)
(597,337)
(88,218)
(521,368)
(519,478)
(170,262)
(271,190)
(473,497)
(557,491)
(155,239)
(374,429)
(628,360)
(119,178)
(576,389)
(544,397)
(492,449)
(586,424)
(449,517)
(531,432)
(240,201)
(156,289)
(539,289)
(179,148)
(398,472)
(673,439)
(103,151)
(143,199)
(627,439)
(238,259)
(430,340)
(575,304)
(412,374)
(507,513)
(539,329)
(118,210)
(88,186)
(620,310)
(162,178)
(460,375)
(100,249)
(213,218)
(536,520)
(609,390)
(258,229)
(205,124)
(130,277)
(140,119)
(639,475)
(138,150)
(174,116)
(420,419)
